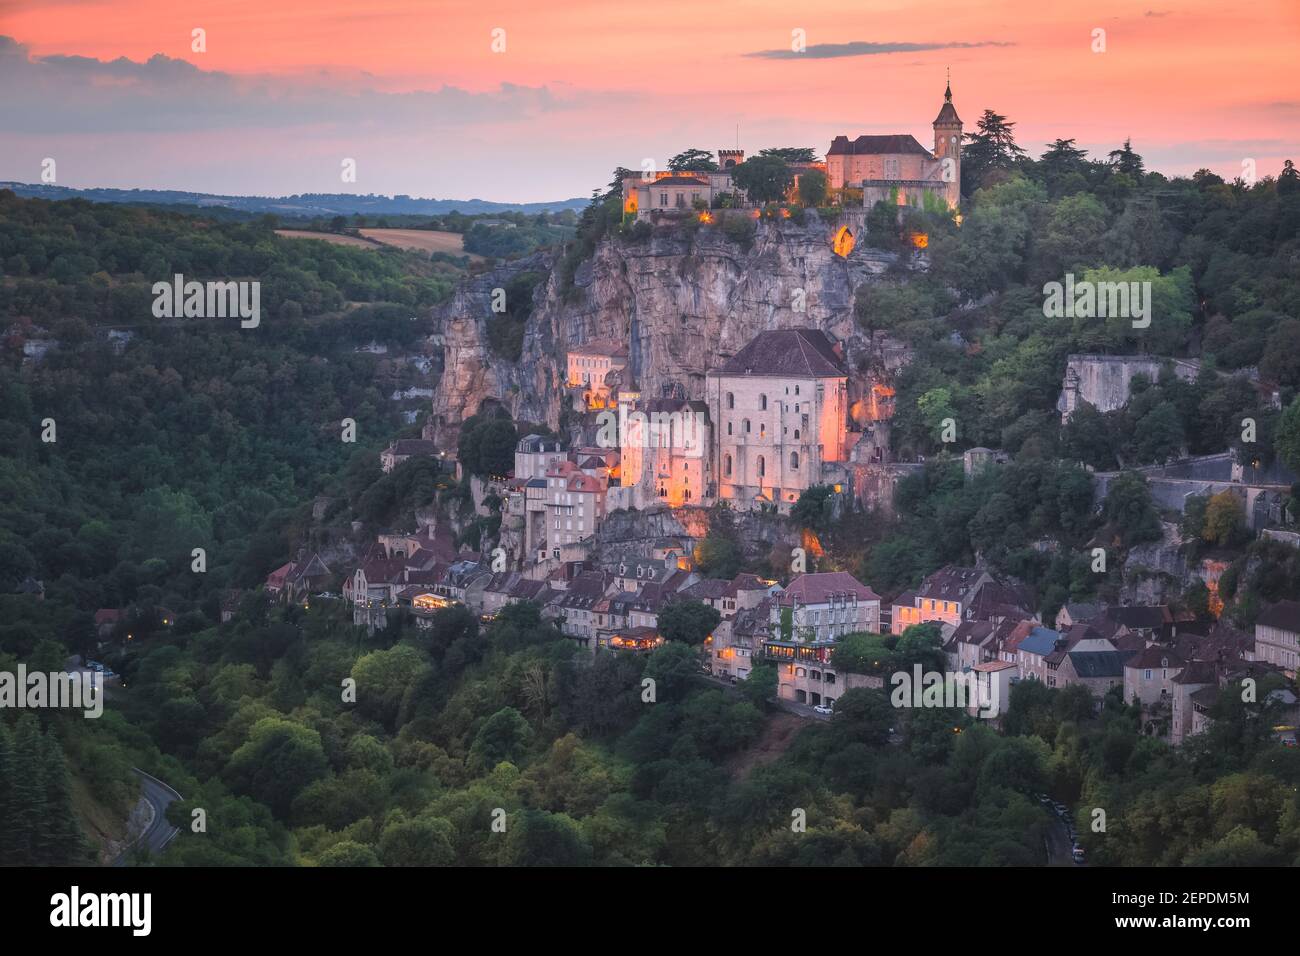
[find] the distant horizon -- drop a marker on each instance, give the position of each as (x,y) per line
(528,103)
(268,196)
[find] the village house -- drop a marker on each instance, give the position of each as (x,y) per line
(779,409)
(979,642)
(1032,651)
(107,619)
(1149,676)
(997,676)
(895,168)
(680,192)
(1074,613)
(406,448)
(1196,676)
(1277,636)
(574,607)
(728,597)
(588,367)
(824,606)
(1083,657)
(575,507)
(738,638)
(944,596)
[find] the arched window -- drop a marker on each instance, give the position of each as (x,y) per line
(762,466)
(762,429)
(728,428)
(746,426)
(796,434)
(794,460)
(762,402)
(731,400)
(726,465)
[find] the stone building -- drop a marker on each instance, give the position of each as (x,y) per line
(896,168)
(588,367)
(1277,636)
(779,409)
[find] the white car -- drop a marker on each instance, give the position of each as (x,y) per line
(823,709)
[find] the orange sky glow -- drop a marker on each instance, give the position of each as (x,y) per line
(414,92)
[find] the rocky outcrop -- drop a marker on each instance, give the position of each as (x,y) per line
(635,532)
(1155,573)
(684,299)
(1105,381)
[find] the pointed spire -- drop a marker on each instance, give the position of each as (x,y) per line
(947,93)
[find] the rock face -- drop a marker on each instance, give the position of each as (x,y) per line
(684,299)
(1105,381)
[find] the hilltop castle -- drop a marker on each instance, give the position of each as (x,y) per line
(892,168)
(897,167)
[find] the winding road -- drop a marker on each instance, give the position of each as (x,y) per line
(159,833)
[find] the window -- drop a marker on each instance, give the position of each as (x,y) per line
(794,460)
(726,465)
(762,429)
(746,426)
(731,400)
(663,201)
(762,402)
(796,389)
(762,466)
(796,434)
(1146,674)
(728,428)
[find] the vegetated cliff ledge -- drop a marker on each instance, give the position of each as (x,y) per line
(684,299)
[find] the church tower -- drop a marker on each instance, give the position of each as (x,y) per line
(947,145)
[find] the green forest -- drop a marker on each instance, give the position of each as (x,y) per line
(306,741)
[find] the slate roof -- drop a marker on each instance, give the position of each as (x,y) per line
(889,144)
(1284,615)
(1041,641)
(1154,657)
(1155,616)
(806,353)
(1097,663)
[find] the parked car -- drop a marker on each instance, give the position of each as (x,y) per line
(823,709)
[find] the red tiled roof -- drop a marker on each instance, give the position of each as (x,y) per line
(818,588)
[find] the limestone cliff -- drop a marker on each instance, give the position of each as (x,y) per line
(683,299)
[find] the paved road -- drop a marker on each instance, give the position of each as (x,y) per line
(160,832)
(1058,843)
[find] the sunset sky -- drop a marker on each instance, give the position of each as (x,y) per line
(415,94)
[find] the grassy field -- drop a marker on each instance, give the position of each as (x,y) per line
(425,240)
(326,237)
(419,240)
